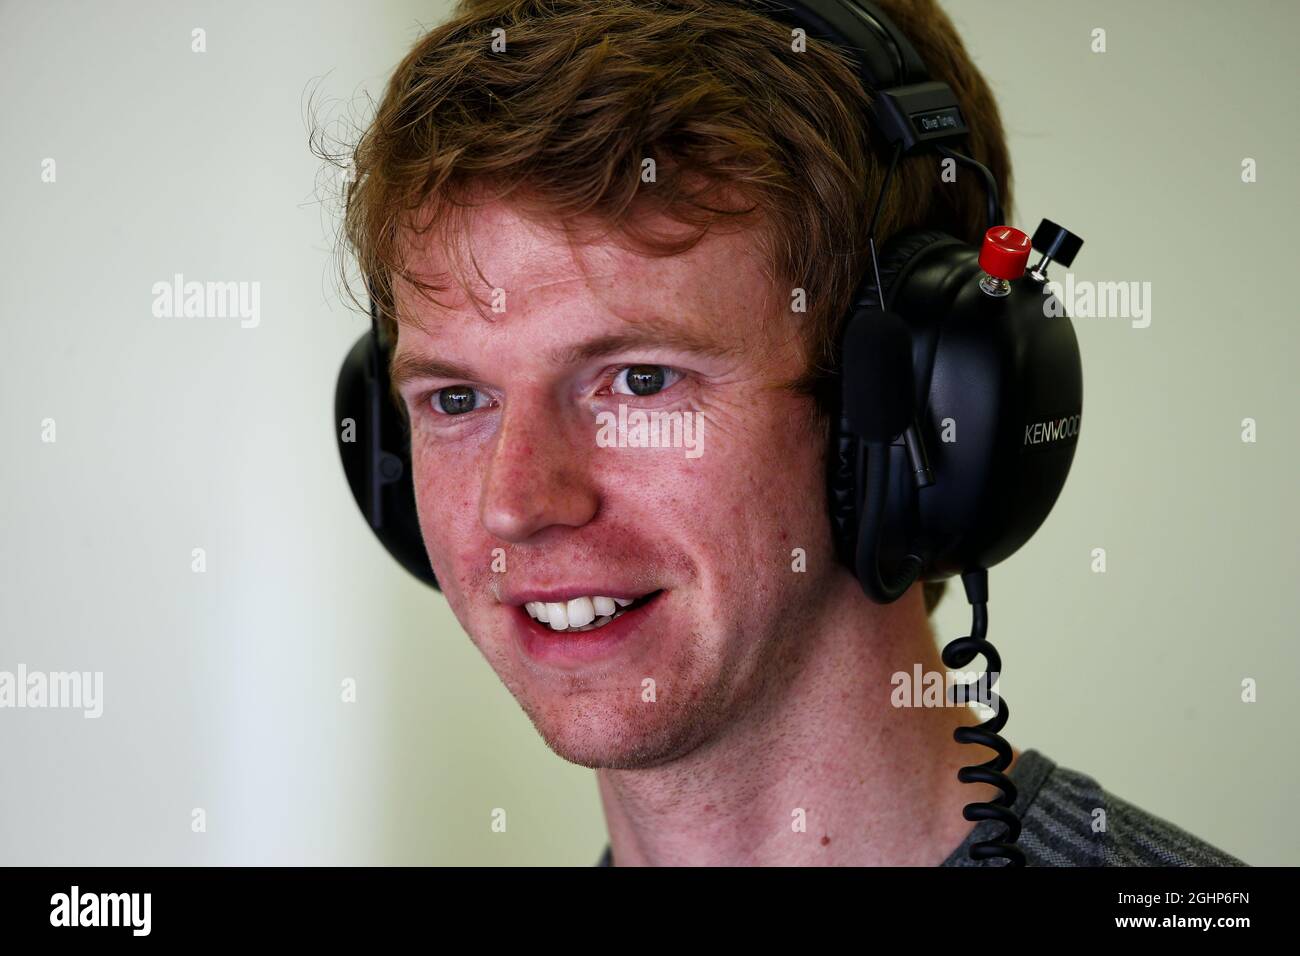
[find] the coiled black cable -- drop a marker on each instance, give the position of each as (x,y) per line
(956,655)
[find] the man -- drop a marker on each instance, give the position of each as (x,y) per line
(614,241)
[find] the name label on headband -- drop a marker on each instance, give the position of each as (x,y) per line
(937,121)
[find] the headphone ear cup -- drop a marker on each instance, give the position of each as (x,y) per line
(374,446)
(895,257)
(1003,370)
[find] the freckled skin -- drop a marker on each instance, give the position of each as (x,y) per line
(763,677)
(566,510)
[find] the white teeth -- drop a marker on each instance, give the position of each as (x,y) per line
(557,615)
(581,612)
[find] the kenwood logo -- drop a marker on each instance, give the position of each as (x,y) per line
(1040,433)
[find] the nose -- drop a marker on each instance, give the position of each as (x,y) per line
(538,473)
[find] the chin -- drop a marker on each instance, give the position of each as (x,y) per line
(604,736)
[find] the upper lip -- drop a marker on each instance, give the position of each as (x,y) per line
(556,595)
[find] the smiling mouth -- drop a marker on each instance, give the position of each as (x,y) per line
(583,614)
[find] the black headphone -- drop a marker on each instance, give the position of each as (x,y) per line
(959,399)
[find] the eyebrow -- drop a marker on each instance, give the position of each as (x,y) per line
(643,334)
(408,366)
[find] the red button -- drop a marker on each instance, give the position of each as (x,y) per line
(1005,252)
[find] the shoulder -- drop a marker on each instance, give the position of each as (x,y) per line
(1069,819)
(1139,838)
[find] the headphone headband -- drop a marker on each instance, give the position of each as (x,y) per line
(907,106)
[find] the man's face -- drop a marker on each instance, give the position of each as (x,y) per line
(527,496)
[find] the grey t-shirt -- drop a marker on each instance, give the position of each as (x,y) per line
(1057,809)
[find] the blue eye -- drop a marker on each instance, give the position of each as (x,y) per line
(457,400)
(644,380)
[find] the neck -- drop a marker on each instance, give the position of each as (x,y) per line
(872,784)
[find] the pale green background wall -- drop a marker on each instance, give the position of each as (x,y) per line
(222,689)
